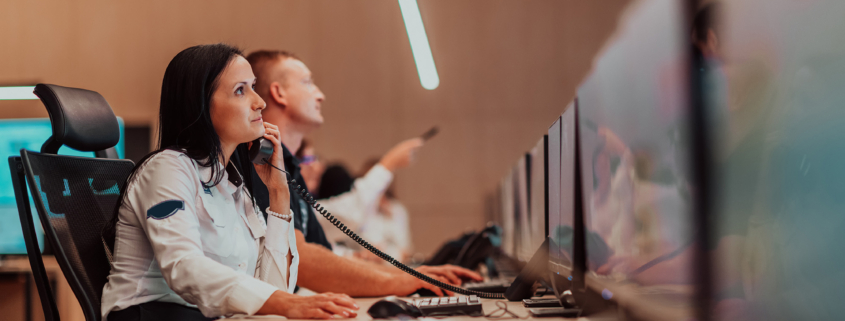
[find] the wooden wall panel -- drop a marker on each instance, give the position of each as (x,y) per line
(507,69)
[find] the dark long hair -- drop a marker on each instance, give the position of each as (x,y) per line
(185,119)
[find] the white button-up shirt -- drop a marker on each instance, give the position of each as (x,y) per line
(206,247)
(354,207)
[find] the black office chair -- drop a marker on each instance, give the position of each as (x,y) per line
(75,196)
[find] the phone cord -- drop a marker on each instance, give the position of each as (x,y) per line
(346,230)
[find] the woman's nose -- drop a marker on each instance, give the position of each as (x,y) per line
(259,104)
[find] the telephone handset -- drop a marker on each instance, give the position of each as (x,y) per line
(260,152)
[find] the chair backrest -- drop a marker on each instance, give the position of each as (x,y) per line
(81,119)
(75,198)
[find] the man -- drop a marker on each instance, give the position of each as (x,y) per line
(293,104)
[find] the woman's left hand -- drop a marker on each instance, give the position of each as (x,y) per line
(275,179)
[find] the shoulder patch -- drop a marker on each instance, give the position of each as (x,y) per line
(165,209)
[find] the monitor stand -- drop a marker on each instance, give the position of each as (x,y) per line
(523,286)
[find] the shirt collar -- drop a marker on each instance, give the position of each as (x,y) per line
(228,186)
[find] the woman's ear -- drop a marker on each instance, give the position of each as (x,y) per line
(277,94)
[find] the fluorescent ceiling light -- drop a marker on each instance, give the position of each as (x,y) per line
(419,44)
(17,93)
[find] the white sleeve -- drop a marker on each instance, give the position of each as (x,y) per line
(164,198)
(272,264)
(351,207)
(402,226)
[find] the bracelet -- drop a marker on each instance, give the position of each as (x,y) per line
(285,217)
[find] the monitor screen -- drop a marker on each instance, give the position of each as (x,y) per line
(561,191)
(633,123)
(30,134)
(536,229)
(522,224)
(776,95)
(506,192)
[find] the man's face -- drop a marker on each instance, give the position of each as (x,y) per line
(304,99)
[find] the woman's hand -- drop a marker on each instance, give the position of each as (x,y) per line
(269,175)
(320,306)
(275,179)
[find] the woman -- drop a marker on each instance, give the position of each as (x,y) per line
(190,244)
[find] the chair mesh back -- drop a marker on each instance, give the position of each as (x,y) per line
(75,198)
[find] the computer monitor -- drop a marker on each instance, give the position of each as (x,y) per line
(522,223)
(506,192)
(535,231)
(30,134)
(635,166)
(561,193)
(776,101)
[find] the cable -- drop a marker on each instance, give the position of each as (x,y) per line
(337,223)
(503,307)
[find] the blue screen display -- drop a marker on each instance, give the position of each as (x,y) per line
(30,134)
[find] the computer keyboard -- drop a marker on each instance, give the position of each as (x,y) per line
(455,305)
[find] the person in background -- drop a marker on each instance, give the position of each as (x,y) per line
(386,226)
(354,201)
(312,167)
(384,222)
(335,181)
(376,179)
(294,103)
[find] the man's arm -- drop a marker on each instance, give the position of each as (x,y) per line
(320,270)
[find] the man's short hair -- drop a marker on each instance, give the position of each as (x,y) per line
(260,60)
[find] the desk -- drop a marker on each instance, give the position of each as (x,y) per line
(69,308)
(487,304)
(13,298)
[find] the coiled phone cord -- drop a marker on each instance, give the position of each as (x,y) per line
(351,234)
